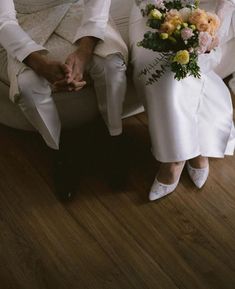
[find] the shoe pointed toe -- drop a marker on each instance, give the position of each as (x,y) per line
(153,196)
(159,190)
(198,176)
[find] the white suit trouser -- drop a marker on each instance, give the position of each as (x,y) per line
(37,104)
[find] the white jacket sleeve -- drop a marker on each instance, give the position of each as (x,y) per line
(13,38)
(95,19)
(226,12)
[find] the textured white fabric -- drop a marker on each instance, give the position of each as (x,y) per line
(224,57)
(38,106)
(109,75)
(159,190)
(198,176)
(187,118)
(74,109)
(40,19)
(37,103)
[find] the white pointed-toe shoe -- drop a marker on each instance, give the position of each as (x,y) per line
(198,176)
(159,190)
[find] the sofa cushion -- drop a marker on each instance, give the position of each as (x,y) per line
(73,109)
(3,66)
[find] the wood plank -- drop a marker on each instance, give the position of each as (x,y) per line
(41,244)
(140,268)
(106,238)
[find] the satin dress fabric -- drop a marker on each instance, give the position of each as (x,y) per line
(186,118)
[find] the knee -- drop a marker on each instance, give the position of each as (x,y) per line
(114,63)
(33,89)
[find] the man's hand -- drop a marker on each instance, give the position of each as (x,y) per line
(51,70)
(76,64)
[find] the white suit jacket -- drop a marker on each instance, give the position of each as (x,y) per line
(26,26)
(18,43)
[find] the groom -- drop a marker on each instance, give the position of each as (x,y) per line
(94,47)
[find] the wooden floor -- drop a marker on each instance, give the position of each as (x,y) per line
(111,239)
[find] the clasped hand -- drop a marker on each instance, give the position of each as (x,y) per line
(68,76)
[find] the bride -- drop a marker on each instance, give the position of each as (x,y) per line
(192,119)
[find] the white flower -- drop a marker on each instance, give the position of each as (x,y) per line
(185,13)
(159,4)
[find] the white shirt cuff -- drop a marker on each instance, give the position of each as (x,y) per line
(89,29)
(18,43)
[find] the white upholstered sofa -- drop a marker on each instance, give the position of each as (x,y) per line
(74,109)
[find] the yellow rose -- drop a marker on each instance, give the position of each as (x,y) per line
(203,27)
(198,16)
(171,22)
(167,28)
(205,21)
(182,57)
(176,21)
(214,23)
(156,14)
(173,13)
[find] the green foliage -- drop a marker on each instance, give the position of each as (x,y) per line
(153,42)
(156,70)
(170,45)
(154,23)
(149,7)
(182,71)
(175,4)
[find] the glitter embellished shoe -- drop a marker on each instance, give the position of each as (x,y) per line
(198,176)
(159,190)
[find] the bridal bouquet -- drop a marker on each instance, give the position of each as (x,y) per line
(180,33)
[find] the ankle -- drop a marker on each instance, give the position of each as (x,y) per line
(169,173)
(199,162)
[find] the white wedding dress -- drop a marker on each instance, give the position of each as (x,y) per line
(190,117)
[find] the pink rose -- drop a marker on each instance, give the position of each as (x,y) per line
(214,43)
(186,33)
(205,41)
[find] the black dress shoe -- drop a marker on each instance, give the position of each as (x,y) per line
(64,180)
(117,163)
